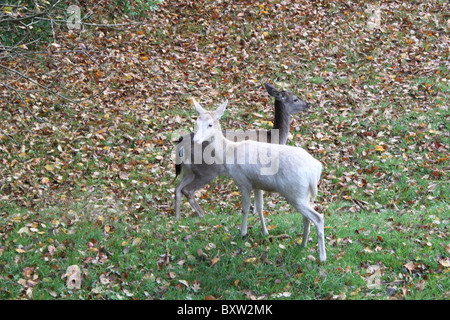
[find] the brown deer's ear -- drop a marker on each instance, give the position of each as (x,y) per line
(273,91)
(269,88)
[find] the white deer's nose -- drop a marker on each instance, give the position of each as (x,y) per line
(197,139)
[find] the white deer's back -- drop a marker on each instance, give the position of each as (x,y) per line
(270,167)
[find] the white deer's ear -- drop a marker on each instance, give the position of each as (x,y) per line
(198,107)
(221,109)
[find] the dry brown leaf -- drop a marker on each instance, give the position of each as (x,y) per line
(74,279)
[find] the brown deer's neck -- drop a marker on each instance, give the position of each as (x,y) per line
(281,122)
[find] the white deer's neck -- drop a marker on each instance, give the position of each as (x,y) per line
(221,147)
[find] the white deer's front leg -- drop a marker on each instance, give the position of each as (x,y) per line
(259,209)
(245,208)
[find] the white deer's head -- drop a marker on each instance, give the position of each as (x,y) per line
(207,122)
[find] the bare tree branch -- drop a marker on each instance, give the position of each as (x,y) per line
(104,25)
(27,28)
(38,14)
(24,102)
(40,85)
(9,137)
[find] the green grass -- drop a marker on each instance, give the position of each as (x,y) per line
(125,255)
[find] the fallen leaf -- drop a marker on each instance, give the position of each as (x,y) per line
(214,261)
(127,293)
(196,285)
(184,282)
(51,250)
(73,274)
(137,241)
(124,175)
(340,296)
(444,262)
(104,279)
(23,230)
(420,285)
(368,250)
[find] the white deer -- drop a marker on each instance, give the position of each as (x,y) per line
(197,175)
(289,171)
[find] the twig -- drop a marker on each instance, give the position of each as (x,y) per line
(106,25)
(8,136)
(87,15)
(33,15)
(38,84)
(23,18)
(53,31)
(24,102)
(360,203)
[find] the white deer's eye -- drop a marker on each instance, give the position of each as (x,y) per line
(210,125)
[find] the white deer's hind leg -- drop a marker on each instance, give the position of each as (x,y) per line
(303,206)
(306,225)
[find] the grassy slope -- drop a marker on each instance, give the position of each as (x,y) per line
(93,187)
